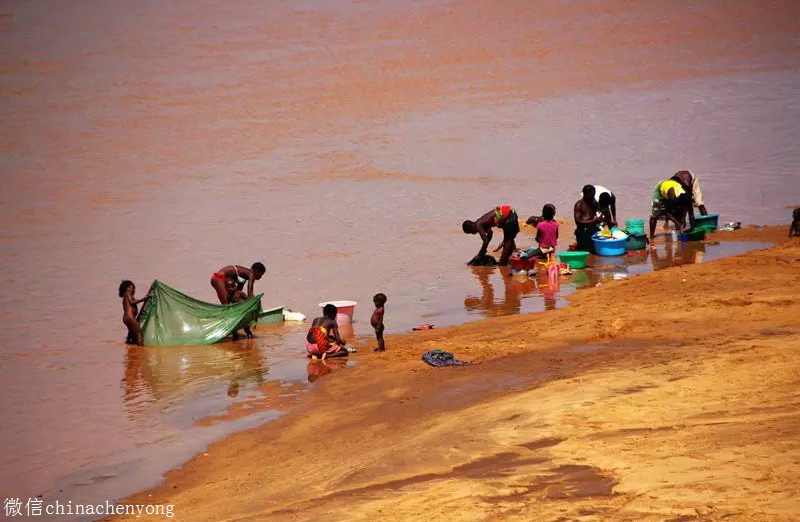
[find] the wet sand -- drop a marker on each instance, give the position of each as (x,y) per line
(672,396)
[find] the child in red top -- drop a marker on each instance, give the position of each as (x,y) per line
(323,336)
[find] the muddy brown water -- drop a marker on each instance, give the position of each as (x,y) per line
(341,143)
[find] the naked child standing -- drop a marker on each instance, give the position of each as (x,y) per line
(377,320)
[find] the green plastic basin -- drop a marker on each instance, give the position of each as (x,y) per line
(636,242)
(695,234)
(634,226)
(708,228)
(711,220)
(576,259)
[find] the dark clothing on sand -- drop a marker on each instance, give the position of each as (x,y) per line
(485,260)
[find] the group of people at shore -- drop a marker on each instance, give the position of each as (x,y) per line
(673,200)
(323,336)
(228,282)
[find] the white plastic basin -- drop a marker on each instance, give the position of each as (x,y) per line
(344,310)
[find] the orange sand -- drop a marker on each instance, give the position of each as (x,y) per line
(672,396)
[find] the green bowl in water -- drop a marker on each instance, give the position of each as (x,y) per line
(694,234)
(711,220)
(636,242)
(707,228)
(575,259)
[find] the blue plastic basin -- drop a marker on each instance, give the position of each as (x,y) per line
(609,247)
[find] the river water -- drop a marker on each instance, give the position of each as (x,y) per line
(341,143)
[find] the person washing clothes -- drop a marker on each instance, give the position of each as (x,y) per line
(546,233)
(587,219)
(606,205)
(688,179)
(323,337)
(238,273)
(503,217)
(672,202)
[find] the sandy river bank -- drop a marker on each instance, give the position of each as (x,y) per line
(672,396)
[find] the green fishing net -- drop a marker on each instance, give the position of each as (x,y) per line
(172,318)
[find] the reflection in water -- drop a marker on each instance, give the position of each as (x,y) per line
(580,278)
(132,383)
(676,253)
(599,270)
(668,254)
(515,289)
(549,293)
(319,368)
(162,373)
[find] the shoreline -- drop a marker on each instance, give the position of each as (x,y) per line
(382,396)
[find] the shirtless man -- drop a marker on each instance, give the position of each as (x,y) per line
(239,274)
(503,217)
(586,219)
